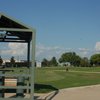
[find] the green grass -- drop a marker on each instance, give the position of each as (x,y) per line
(58,78)
(89,69)
(54,78)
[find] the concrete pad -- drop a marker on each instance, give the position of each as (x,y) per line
(79,93)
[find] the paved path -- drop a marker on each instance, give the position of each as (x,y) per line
(79,93)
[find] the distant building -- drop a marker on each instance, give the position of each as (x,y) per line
(38,64)
(5,60)
(65,64)
(8,60)
(18,63)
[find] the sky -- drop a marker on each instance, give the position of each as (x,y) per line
(61,26)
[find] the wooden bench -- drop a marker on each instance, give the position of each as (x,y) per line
(10,82)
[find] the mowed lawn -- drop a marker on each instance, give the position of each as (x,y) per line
(49,79)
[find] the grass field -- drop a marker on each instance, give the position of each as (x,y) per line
(55,78)
(49,79)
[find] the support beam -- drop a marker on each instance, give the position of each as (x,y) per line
(28,53)
(15,30)
(20,92)
(14,99)
(33,64)
(15,75)
(13,41)
(15,87)
(1,84)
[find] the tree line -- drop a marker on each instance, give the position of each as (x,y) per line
(12,61)
(73,59)
(70,57)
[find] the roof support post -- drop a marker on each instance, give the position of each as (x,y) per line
(1,83)
(28,54)
(32,65)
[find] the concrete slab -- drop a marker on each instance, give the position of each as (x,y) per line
(79,93)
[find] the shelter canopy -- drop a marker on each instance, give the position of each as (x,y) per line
(13,31)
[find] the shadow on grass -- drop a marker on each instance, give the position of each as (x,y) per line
(39,88)
(43,88)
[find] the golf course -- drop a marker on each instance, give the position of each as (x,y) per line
(48,79)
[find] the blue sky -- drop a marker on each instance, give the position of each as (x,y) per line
(62,25)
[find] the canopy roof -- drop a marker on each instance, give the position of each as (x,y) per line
(13,31)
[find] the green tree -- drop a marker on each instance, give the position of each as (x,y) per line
(53,61)
(70,57)
(45,62)
(1,61)
(95,60)
(12,61)
(84,62)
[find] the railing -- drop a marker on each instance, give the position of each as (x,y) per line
(20,86)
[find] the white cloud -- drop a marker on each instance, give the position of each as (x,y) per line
(83,51)
(97,46)
(15,49)
(43,51)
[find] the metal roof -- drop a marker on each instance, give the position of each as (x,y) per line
(12,30)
